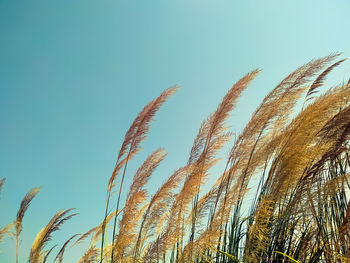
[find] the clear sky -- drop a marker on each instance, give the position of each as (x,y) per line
(74,74)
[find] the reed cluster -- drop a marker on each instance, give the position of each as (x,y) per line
(299,210)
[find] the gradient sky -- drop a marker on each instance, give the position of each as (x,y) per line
(75,73)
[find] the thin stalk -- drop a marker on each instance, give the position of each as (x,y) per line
(116,214)
(104,224)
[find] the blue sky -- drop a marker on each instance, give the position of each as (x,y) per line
(74,74)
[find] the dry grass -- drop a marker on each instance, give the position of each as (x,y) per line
(301,208)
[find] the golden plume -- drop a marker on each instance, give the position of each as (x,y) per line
(20,214)
(320,79)
(136,197)
(130,147)
(44,235)
(158,207)
(139,129)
